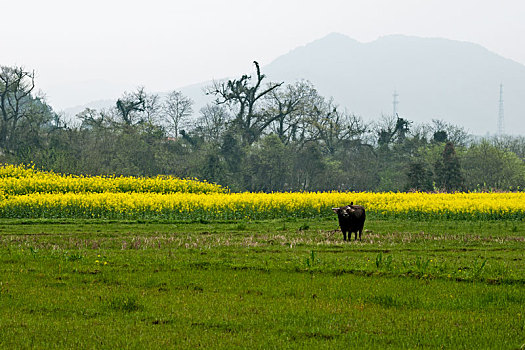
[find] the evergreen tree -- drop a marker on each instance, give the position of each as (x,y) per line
(448,170)
(419,177)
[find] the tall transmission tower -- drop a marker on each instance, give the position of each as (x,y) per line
(395,102)
(501,114)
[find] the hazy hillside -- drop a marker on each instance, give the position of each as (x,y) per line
(435,78)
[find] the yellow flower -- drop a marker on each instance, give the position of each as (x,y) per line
(27,192)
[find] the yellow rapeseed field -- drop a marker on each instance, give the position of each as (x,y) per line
(20,180)
(33,194)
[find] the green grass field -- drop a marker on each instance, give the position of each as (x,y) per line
(268,284)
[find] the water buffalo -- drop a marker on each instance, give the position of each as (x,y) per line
(351,219)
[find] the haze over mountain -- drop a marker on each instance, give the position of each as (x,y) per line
(435,78)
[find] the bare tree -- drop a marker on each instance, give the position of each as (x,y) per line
(212,122)
(289,109)
(515,144)
(243,98)
(131,105)
(443,131)
(152,108)
(392,129)
(332,127)
(92,119)
(176,107)
(16,85)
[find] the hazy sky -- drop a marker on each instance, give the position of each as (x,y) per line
(164,45)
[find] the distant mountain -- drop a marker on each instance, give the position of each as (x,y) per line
(435,79)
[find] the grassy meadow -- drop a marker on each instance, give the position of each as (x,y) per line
(290,283)
(108,262)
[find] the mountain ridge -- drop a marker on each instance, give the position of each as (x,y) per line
(435,78)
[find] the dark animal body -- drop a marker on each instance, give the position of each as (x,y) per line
(351,219)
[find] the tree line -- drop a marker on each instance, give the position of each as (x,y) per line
(256,135)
